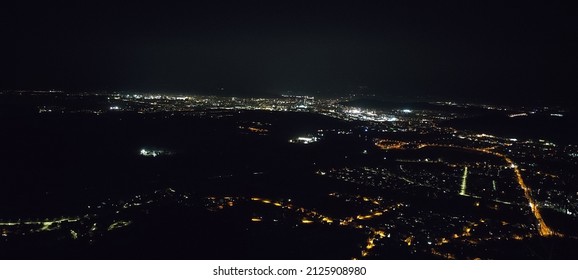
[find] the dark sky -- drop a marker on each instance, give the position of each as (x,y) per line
(495,50)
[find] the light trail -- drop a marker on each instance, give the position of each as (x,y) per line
(464,181)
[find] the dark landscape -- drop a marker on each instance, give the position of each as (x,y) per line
(203,177)
(289,130)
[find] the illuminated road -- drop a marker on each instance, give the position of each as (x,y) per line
(311,216)
(464,181)
(543,228)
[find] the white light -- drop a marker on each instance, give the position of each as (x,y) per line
(153,153)
(517,115)
(406,110)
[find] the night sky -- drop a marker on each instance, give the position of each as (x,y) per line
(504,51)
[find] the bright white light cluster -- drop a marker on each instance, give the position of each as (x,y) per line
(368,115)
(304,140)
(152,153)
